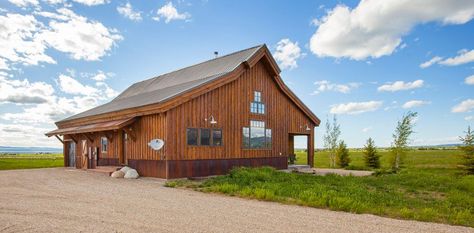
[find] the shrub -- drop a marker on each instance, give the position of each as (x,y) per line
(342,155)
(371,156)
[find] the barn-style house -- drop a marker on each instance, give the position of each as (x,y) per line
(201,120)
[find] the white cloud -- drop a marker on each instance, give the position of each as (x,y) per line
(367,129)
(128,12)
(26,135)
(401,86)
(469,80)
(415,103)
(24,3)
(469,118)
(287,53)
(71,86)
(464,106)
(24,92)
(463,58)
(169,13)
(19,42)
(79,36)
(109,92)
(353,108)
(430,62)
(92,2)
(363,32)
(325,85)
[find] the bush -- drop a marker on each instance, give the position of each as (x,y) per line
(342,155)
(371,156)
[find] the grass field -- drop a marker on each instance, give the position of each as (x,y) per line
(26,161)
(429,188)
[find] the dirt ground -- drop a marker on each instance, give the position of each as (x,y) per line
(68,200)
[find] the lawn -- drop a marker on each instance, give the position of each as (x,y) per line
(26,161)
(429,188)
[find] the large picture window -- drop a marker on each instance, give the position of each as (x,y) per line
(204,137)
(256,136)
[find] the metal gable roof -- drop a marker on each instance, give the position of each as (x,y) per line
(166,86)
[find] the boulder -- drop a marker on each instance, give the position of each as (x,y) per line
(131,174)
(117,174)
(125,169)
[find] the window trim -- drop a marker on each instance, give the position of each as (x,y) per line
(102,145)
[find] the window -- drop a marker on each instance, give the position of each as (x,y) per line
(192,136)
(205,137)
(257,96)
(216,137)
(256,136)
(104,144)
(257,106)
(246,137)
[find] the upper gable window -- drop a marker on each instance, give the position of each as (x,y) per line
(256,106)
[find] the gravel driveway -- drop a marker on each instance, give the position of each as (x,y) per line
(64,200)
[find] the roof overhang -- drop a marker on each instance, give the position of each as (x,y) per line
(90,128)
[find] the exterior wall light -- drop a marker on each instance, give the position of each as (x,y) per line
(212,120)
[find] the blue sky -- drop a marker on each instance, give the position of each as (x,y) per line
(368,66)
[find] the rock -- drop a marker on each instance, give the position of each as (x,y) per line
(131,174)
(125,169)
(117,174)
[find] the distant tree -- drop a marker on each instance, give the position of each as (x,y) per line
(371,156)
(331,139)
(342,155)
(401,139)
(468,149)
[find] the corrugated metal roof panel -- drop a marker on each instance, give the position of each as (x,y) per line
(163,87)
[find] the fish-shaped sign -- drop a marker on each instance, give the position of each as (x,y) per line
(156,144)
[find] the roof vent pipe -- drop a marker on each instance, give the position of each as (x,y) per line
(216,54)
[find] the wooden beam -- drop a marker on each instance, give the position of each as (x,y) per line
(130,132)
(59,139)
(73,139)
(88,137)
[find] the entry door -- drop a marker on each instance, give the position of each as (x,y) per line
(72,154)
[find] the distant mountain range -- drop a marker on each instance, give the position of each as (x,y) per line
(28,149)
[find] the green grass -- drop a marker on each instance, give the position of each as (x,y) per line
(429,188)
(27,161)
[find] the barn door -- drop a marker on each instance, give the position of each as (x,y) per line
(84,151)
(72,154)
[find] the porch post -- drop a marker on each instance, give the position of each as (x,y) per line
(311,148)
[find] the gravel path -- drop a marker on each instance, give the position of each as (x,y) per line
(64,200)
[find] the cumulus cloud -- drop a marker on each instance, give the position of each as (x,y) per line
(168,12)
(367,129)
(401,86)
(363,32)
(128,12)
(469,80)
(463,58)
(24,40)
(78,36)
(92,2)
(287,53)
(469,118)
(430,62)
(415,103)
(325,85)
(464,106)
(354,108)
(24,3)
(24,92)
(69,85)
